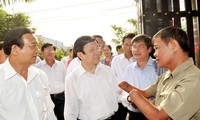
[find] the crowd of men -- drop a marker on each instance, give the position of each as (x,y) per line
(132,85)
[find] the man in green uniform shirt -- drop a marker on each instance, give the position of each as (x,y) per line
(176,92)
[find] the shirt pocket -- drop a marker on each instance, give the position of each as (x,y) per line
(163,95)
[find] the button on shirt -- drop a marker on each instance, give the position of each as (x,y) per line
(56,75)
(119,64)
(139,78)
(24,100)
(91,96)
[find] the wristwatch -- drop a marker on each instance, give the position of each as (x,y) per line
(129,99)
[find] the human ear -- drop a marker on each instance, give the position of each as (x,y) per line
(149,49)
(173,45)
(14,49)
(80,55)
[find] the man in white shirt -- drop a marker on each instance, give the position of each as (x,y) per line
(56,72)
(91,90)
(119,64)
(76,61)
(24,89)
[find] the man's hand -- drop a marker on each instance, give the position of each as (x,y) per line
(125,86)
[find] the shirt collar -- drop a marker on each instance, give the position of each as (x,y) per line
(182,67)
(10,71)
(122,56)
(149,63)
(179,69)
(81,70)
(45,63)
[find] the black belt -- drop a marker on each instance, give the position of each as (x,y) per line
(58,95)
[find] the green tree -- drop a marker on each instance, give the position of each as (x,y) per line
(60,53)
(3,24)
(120,32)
(19,20)
(9,21)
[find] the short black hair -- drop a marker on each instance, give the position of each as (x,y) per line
(129,35)
(145,38)
(81,42)
(14,37)
(45,45)
(118,47)
(109,46)
(176,33)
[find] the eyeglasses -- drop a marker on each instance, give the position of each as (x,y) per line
(139,47)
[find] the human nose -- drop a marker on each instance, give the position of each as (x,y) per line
(128,47)
(37,50)
(155,54)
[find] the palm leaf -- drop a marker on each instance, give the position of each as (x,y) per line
(9,2)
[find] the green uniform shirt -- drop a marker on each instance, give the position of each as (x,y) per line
(178,93)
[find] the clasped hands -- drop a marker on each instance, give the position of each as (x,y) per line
(128,88)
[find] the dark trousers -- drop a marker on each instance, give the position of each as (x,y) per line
(58,100)
(113,117)
(121,112)
(136,116)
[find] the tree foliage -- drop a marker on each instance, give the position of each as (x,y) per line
(9,21)
(120,32)
(3,24)
(19,20)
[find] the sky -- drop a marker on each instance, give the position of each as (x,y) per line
(66,20)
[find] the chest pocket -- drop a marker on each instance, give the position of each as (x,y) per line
(163,95)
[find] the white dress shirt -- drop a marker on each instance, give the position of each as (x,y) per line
(139,78)
(56,75)
(91,96)
(119,64)
(24,99)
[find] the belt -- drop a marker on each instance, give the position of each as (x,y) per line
(58,95)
